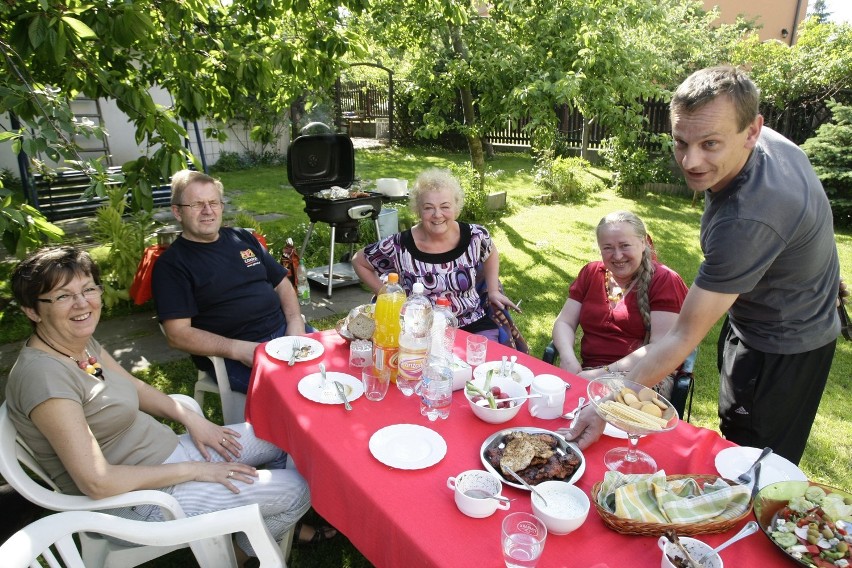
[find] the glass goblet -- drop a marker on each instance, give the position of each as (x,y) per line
(604,393)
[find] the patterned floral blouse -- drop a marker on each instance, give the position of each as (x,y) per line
(452,274)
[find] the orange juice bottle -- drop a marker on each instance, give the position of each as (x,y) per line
(386,337)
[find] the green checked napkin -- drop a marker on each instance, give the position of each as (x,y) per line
(654,499)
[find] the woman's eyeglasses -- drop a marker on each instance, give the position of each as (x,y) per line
(90,293)
(199,205)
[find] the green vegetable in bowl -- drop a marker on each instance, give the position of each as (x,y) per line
(801,504)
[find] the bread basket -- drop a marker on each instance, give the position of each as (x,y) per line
(629,526)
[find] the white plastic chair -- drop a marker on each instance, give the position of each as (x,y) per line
(233,402)
(97,550)
(51,537)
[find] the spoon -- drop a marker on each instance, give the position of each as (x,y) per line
(525,484)
(748,529)
(503,366)
(512,361)
(581,402)
(480,494)
(484,402)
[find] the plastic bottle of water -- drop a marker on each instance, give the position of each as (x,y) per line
(444,325)
(386,337)
(303,289)
(415,320)
(436,390)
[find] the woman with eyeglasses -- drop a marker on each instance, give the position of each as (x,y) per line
(93,427)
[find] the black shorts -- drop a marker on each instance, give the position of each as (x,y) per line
(769,399)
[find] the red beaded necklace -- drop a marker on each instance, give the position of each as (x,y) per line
(90,364)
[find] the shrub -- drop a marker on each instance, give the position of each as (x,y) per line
(233,161)
(633,165)
(566,178)
(830,152)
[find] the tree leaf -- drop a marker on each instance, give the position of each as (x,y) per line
(82,30)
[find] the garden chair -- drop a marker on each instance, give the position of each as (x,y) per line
(98,551)
(50,538)
(233,402)
(684,384)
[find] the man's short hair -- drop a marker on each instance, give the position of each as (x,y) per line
(702,88)
(183,178)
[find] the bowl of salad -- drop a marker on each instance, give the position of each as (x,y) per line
(809,521)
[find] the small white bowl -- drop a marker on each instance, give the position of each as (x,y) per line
(567,506)
(498,415)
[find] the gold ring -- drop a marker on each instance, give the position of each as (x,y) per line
(230,474)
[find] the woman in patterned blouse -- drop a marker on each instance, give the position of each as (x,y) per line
(447,256)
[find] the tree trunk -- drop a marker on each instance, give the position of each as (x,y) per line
(474,142)
(584,145)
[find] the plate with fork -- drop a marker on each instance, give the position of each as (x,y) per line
(731,462)
(283,348)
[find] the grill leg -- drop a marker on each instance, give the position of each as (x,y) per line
(378,229)
(331,262)
(307,238)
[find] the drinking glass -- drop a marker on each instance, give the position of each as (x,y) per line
(476,347)
(375,382)
(522,540)
(360,353)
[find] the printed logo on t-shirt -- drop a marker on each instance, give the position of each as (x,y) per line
(249,258)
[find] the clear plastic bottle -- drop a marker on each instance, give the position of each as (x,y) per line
(386,337)
(444,326)
(436,390)
(414,337)
(303,289)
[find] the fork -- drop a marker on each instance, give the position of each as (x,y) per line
(296,347)
(745,478)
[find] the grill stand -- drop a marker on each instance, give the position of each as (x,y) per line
(345,270)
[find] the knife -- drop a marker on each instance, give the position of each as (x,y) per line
(342,393)
(292,360)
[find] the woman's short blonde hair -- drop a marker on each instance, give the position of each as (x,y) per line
(436,179)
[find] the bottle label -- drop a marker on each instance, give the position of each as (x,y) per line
(411,362)
(386,358)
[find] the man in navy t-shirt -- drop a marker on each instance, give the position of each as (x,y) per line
(218,292)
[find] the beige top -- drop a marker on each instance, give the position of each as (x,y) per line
(125,434)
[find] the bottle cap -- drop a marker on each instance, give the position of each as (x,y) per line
(443,301)
(393,277)
(417,288)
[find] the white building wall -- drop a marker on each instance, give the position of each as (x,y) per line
(122,141)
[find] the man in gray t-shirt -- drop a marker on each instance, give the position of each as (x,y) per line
(770,264)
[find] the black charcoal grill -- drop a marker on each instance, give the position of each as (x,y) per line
(319,162)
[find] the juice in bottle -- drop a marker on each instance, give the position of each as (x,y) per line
(386,337)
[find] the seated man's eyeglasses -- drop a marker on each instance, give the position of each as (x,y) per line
(198,205)
(90,293)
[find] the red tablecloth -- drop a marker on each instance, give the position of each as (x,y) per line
(408,518)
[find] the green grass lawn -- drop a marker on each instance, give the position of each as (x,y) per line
(542,247)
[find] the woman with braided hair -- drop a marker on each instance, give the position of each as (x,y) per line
(621,302)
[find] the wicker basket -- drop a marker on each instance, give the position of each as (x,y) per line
(628,526)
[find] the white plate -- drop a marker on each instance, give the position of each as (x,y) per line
(522,374)
(407,446)
(282,347)
(496,439)
(310,387)
(732,462)
(614,432)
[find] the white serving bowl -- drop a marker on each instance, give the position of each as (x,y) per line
(498,415)
(567,506)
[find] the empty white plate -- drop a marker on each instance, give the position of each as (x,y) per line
(407,446)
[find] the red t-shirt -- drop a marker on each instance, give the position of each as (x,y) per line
(611,333)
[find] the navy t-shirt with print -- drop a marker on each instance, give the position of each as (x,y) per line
(226,287)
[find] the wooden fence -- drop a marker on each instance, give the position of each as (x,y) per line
(798,122)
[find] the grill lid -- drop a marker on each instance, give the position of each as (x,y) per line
(319,161)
